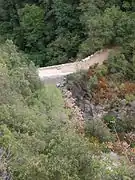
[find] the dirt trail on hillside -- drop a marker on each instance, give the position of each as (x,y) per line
(59,71)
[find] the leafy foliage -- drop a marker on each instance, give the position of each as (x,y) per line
(123,63)
(57,31)
(98,129)
(35,142)
(31,128)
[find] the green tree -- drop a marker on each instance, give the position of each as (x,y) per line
(68,31)
(56,31)
(9,17)
(37,140)
(33,28)
(109,27)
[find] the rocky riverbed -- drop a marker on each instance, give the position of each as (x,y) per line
(114,117)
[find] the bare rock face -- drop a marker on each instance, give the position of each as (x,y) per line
(80,101)
(86,109)
(76,115)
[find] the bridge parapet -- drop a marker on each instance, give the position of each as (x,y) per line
(55,74)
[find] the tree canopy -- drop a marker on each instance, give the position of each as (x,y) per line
(37,139)
(58,31)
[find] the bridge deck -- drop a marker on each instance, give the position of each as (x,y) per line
(56,73)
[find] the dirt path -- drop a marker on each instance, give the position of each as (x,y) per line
(54,74)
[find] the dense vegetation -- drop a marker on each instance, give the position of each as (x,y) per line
(106,95)
(37,140)
(57,31)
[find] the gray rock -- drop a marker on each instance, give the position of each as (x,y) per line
(123,102)
(87,107)
(88,112)
(132,105)
(58,85)
(114,156)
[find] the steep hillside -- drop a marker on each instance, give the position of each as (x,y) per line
(86,129)
(38,140)
(106,96)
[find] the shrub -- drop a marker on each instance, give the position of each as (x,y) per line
(129,97)
(36,143)
(126,123)
(117,63)
(92,83)
(123,63)
(102,71)
(97,128)
(110,120)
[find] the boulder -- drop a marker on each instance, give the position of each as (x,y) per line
(132,105)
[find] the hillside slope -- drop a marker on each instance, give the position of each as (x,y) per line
(38,140)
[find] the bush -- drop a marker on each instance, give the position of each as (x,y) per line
(110,120)
(98,129)
(123,63)
(92,83)
(102,71)
(117,63)
(35,141)
(39,144)
(126,123)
